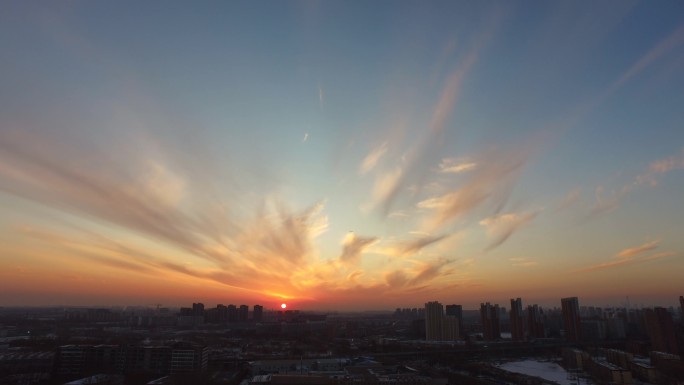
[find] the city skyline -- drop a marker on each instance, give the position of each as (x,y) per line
(341,156)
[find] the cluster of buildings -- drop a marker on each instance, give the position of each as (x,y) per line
(358,371)
(178,357)
(571,322)
(621,367)
(198,315)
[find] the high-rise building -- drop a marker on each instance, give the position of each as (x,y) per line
(222,313)
(243,313)
(434,313)
(489,316)
(516,316)
(232,313)
(258,313)
(535,322)
(450,328)
(198,309)
(455,311)
(571,319)
(681,308)
(661,331)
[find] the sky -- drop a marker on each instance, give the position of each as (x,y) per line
(341,155)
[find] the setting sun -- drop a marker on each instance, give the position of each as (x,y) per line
(283,305)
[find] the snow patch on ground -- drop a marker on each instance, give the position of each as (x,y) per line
(546,370)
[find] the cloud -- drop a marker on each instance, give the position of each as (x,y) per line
(570,199)
(371,160)
(659,167)
(663,254)
(605,265)
(634,251)
(413,166)
(608,202)
(665,46)
(488,185)
(605,203)
(630,256)
(501,227)
(396,279)
(455,165)
(387,184)
(429,271)
(416,245)
(411,247)
(522,262)
(352,248)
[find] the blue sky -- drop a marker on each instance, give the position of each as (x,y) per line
(341,152)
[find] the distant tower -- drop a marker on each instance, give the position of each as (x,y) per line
(681,308)
(434,312)
(232,313)
(243,313)
(258,313)
(489,316)
(222,311)
(516,315)
(455,311)
(661,331)
(571,319)
(198,309)
(535,322)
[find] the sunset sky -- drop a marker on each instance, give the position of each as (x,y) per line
(341,155)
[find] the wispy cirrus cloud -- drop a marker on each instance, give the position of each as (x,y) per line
(606,202)
(665,46)
(570,199)
(353,246)
(411,247)
(501,227)
(411,169)
(630,256)
(371,160)
(625,262)
(455,165)
(634,251)
(659,167)
(522,262)
(487,186)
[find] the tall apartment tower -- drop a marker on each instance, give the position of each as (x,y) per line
(232,313)
(489,316)
(198,309)
(243,312)
(571,319)
(535,322)
(258,313)
(681,308)
(434,313)
(517,325)
(661,331)
(455,311)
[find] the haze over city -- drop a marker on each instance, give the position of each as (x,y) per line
(341,155)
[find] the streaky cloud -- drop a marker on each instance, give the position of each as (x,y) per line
(501,227)
(371,160)
(634,251)
(455,165)
(353,246)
